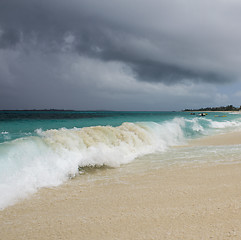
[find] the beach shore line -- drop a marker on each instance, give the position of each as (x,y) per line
(232,138)
(176,202)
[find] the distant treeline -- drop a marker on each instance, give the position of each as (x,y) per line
(37,110)
(227,108)
(51,110)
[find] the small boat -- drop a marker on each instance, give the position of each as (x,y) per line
(202,114)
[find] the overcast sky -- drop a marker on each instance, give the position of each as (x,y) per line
(120,54)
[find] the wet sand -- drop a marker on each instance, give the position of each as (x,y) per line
(179,202)
(233,138)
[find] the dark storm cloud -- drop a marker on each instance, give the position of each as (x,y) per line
(167,41)
(8,38)
(118,54)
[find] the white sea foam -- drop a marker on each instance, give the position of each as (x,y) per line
(225,124)
(49,158)
(112,146)
(196,125)
(29,163)
(39,131)
(4,132)
(6,135)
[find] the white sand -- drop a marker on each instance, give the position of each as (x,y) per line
(188,202)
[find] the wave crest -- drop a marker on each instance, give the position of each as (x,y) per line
(49,158)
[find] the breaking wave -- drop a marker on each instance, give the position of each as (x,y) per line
(52,156)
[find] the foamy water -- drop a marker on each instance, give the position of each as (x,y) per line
(49,157)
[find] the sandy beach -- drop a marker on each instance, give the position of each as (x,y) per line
(120,120)
(176,202)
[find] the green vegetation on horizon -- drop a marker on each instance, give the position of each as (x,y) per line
(222,108)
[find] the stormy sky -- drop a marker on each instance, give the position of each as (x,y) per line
(119,54)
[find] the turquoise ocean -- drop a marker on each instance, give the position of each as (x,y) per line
(47,148)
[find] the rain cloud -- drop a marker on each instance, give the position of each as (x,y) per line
(91,49)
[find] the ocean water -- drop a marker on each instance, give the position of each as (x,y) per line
(46,148)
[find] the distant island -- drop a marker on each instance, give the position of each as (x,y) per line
(51,110)
(215,109)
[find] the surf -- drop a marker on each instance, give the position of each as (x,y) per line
(48,158)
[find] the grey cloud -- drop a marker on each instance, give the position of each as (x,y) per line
(9,38)
(166,41)
(63,80)
(114,44)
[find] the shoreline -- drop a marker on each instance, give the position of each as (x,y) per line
(229,138)
(197,202)
(191,201)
